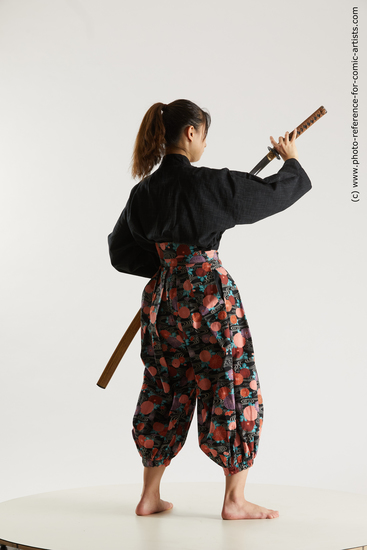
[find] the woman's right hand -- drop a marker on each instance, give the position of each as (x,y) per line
(286,148)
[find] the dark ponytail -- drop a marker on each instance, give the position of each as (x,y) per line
(163,128)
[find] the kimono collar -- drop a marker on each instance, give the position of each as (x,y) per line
(175,158)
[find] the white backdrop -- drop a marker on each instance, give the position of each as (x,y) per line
(77,79)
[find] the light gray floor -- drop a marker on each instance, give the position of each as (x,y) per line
(104,518)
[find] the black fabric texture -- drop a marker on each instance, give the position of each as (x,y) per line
(183,203)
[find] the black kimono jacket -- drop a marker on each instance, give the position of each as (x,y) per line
(186,204)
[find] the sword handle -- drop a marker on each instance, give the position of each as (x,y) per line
(321,111)
(301,128)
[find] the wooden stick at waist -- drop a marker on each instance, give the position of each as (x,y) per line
(119,352)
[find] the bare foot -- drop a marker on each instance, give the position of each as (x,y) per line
(244,509)
(152,505)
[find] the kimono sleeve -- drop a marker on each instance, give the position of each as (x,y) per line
(253,198)
(125,253)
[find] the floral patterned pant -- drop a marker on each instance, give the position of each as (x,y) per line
(196,346)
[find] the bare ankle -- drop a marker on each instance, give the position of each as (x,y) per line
(234,497)
(150,494)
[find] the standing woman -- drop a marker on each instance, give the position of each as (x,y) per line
(195,339)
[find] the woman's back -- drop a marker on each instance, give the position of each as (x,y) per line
(182,203)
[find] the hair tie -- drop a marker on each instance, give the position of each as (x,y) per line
(164,106)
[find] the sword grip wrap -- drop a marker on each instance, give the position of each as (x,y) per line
(309,121)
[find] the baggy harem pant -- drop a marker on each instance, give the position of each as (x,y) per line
(196,345)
